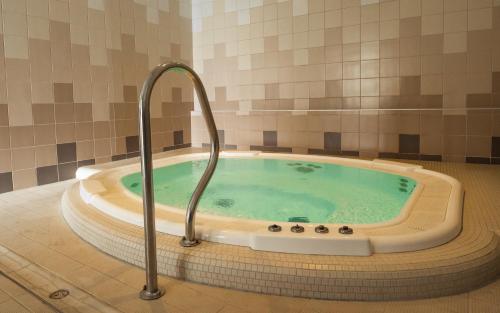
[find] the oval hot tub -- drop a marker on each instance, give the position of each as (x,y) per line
(283,191)
(390,207)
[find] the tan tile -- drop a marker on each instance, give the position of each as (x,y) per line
(101,129)
(65,133)
(479,146)
(45,134)
(369,123)
(370,50)
(4,115)
(479,123)
(431,123)
(102,148)
(84,150)
(41,70)
(24,178)
(23,158)
(388,143)
(4,137)
(350,122)
(43,113)
(5,160)
(59,31)
(83,112)
(455,63)
(21,136)
(63,93)
(368,142)
(409,122)
(17,70)
(431,144)
(454,145)
(64,113)
(432,64)
(454,124)
(41,92)
(410,27)
(389,48)
(46,155)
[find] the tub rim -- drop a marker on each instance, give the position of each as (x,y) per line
(260,238)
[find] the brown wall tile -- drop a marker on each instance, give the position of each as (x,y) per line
(431,144)
(83,112)
(454,124)
(130,94)
(45,134)
(63,93)
(64,113)
(4,115)
(43,113)
(479,123)
(4,137)
(454,145)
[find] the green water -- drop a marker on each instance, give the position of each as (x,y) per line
(282,191)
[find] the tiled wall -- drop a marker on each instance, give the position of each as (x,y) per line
(70,73)
(416,79)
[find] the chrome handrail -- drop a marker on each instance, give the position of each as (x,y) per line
(151,290)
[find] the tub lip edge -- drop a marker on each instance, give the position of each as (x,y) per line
(446,231)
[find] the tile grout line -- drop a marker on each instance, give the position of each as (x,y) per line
(51,273)
(28,290)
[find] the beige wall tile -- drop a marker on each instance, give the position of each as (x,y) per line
(14,6)
(478,146)
(45,155)
(480,19)
(45,134)
(455,5)
(23,158)
(15,24)
(24,178)
(85,150)
(38,8)
(455,42)
(432,24)
(389,10)
(409,8)
(455,22)
(5,161)
(16,47)
(430,7)
(65,133)
(37,52)
(431,144)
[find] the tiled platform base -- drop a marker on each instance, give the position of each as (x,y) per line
(469,261)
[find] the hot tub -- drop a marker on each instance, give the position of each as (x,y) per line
(290,203)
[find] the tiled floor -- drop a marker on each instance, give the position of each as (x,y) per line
(15,299)
(43,254)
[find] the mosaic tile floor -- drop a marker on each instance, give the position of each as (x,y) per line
(42,253)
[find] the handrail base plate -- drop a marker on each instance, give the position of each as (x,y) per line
(189,243)
(148,295)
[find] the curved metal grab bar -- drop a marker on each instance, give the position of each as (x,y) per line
(151,290)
